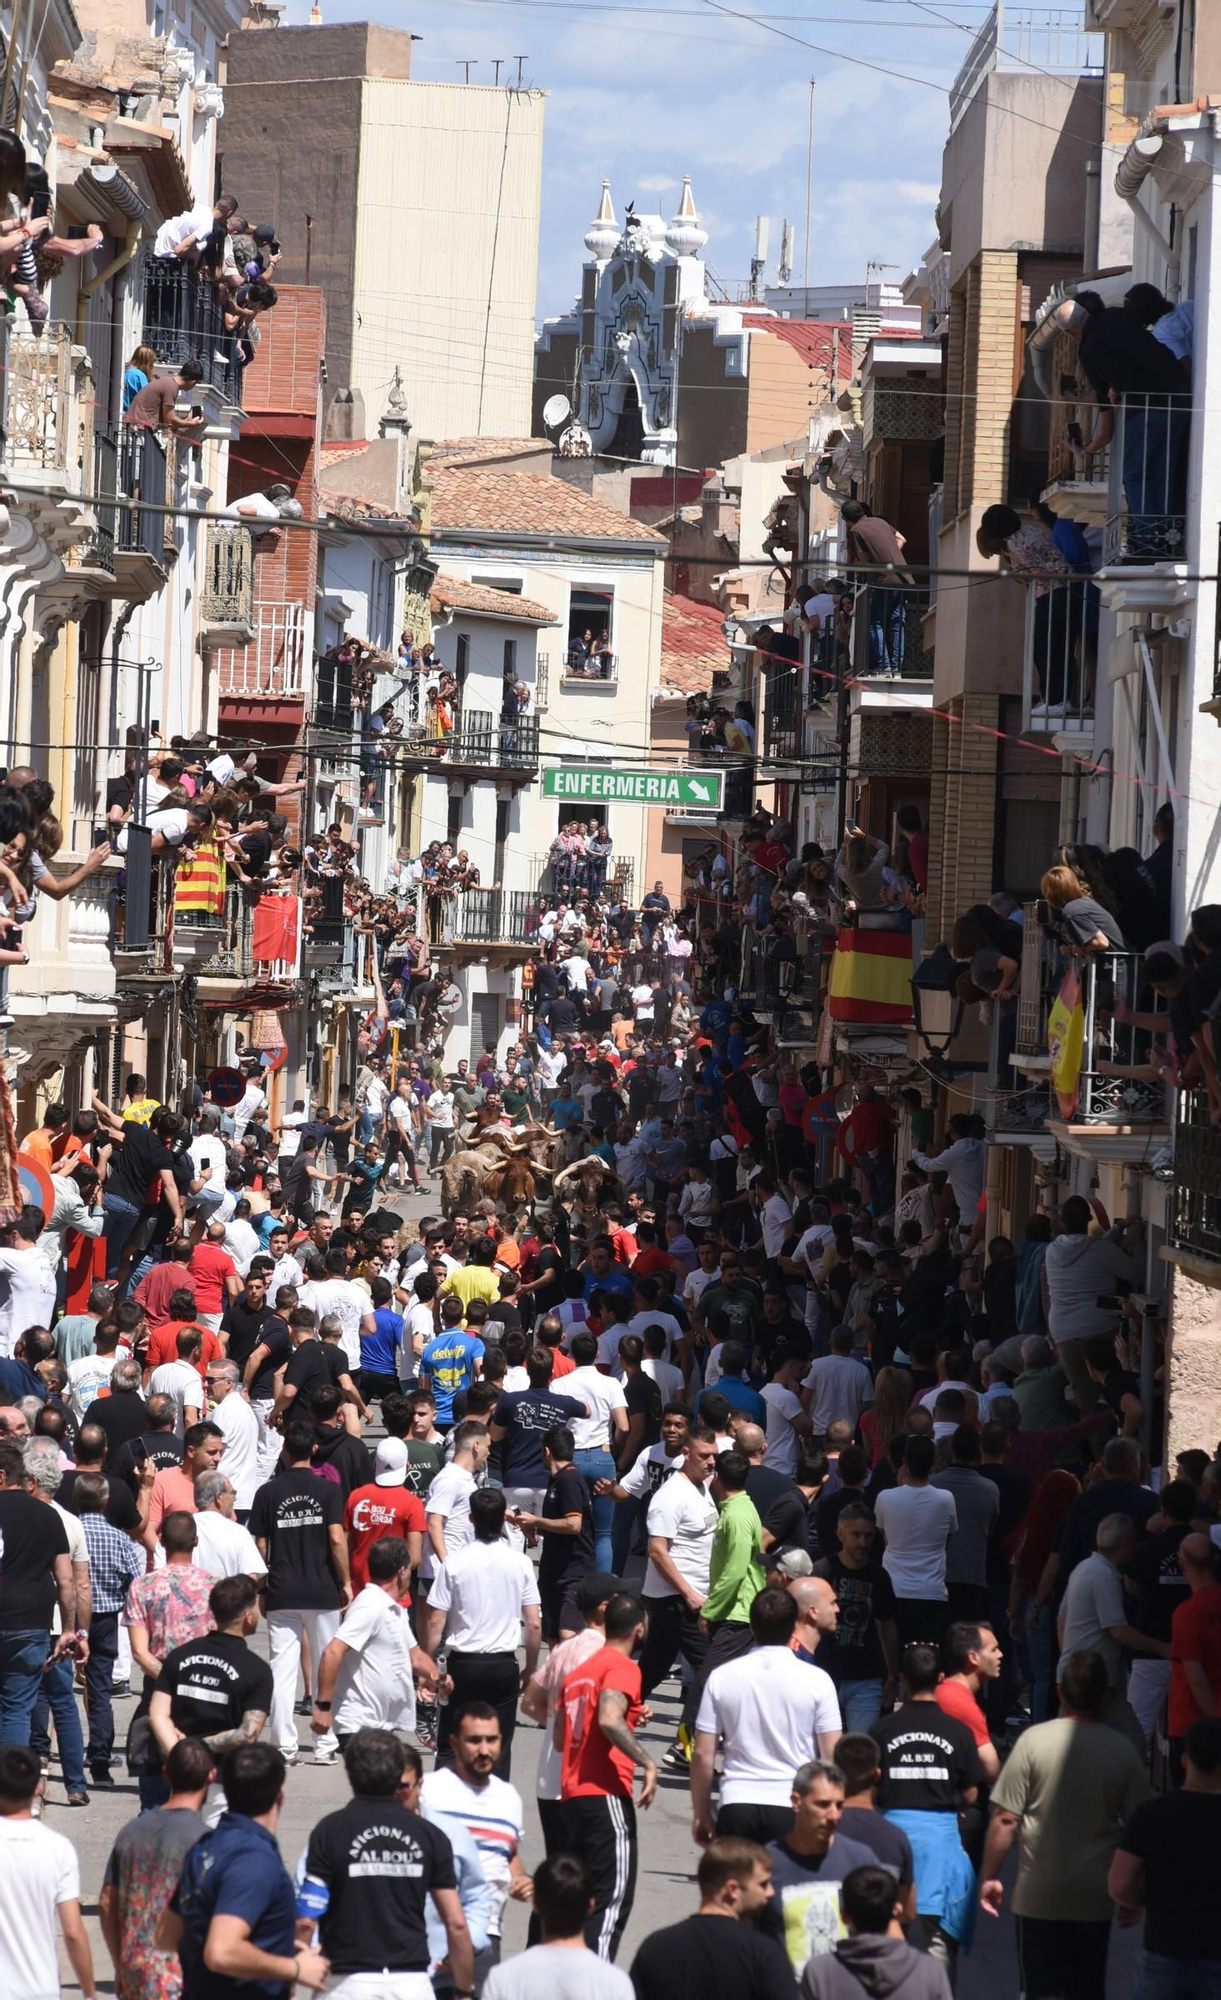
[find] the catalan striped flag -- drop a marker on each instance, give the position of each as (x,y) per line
(871,978)
(199,886)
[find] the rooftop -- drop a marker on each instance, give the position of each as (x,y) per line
(487,451)
(449,593)
(693,646)
(486,500)
(815,340)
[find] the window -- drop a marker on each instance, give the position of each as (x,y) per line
(462,661)
(511,658)
(453,819)
(591,627)
(511,584)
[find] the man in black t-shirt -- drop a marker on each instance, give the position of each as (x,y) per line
(158,1441)
(312,1364)
(215,1688)
(122,1414)
(644,1402)
(862,1654)
(297,1522)
(371,1867)
(245,1319)
(122,1510)
(566,1526)
(930,1771)
(35,1576)
(137,1164)
(1166,1865)
(706,1957)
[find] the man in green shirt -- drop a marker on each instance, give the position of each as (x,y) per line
(735,1572)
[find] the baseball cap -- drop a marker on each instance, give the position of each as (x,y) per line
(595,1590)
(1166,949)
(792,1562)
(392,1459)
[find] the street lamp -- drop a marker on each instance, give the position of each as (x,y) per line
(938,973)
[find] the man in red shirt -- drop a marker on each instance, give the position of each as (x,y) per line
(601,1703)
(650,1260)
(155,1291)
(973,1656)
(214,1276)
(384,1507)
(1195,1642)
(866,1139)
(163,1340)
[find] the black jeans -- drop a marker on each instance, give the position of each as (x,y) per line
(728,1639)
(103,1652)
(1061,1959)
(603,1832)
(674,1630)
(493,1677)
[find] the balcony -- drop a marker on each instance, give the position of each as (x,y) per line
(253,941)
(781,980)
(141,533)
(271,666)
(329,951)
(184,321)
(1196,1215)
(887,649)
(1060,658)
(1019,41)
(66,992)
(1145,540)
(227,600)
(1116,1112)
(479,741)
(48,402)
(493,917)
(542,681)
(593,670)
(92,560)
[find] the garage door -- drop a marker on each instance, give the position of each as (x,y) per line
(485,1024)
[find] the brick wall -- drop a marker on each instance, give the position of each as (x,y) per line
(962,809)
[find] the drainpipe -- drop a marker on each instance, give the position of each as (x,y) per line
(130,241)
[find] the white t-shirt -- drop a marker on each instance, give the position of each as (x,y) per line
(402,1110)
(697,1283)
(253,1100)
(224,1548)
(209,1151)
(89,1377)
(239,1458)
(491,1814)
(193,222)
(774,1217)
(374,1687)
(450,1496)
(27,1294)
(695,1205)
(441,1109)
(179,1381)
(650,1472)
(39,1871)
(484,1586)
(349,1305)
(769,1708)
(929,1398)
(669,1380)
(375,1096)
(783,1444)
(686,1515)
(917,1522)
(674,1332)
(601,1395)
(242,1243)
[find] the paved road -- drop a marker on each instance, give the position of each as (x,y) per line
(665,1890)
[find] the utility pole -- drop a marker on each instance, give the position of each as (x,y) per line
(521,62)
(805,273)
(466,68)
(497,65)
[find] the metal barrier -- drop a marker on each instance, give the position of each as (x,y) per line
(1196,1223)
(888,633)
(184,321)
(1060,655)
(142,476)
(1147,487)
(592,666)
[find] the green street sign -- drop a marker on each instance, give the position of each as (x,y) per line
(701,789)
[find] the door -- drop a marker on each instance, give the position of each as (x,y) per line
(485,1024)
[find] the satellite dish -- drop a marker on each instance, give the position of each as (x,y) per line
(555,410)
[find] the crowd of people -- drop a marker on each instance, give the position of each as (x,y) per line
(736,1401)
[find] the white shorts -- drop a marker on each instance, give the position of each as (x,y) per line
(383,1986)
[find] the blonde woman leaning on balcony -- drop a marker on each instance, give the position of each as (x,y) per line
(1085,926)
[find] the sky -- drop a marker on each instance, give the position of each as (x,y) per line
(694,89)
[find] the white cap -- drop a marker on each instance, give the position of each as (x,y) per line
(392,1457)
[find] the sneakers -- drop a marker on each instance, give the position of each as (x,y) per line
(326,1756)
(678,1756)
(304,1707)
(78,1799)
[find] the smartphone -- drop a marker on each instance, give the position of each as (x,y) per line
(40,204)
(139,1452)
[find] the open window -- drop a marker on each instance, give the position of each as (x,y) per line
(589,651)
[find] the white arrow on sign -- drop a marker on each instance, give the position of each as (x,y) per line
(699,791)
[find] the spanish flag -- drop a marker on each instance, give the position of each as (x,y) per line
(871,975)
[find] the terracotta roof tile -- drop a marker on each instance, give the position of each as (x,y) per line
(476,450)
(491,500)
(814,339)
(451,592)
(693,645)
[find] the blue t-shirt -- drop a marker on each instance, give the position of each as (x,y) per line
(566,1111)
(616,1282)
(365,1176)
(235,1871)
(448,1362)
(739,1395)
(379,1351)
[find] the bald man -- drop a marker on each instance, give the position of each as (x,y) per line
(779,1505)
